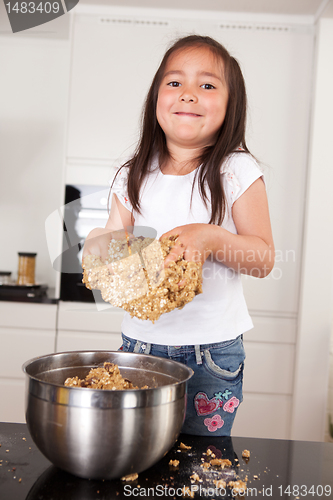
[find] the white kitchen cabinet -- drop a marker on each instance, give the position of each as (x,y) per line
(81,327)
(269,368)
(69,340)
(12,397)
(263,416)
(110,75)
(268,379)
(27,330)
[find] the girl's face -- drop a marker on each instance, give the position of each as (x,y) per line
(192,98)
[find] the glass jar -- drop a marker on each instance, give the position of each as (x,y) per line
(5,277)
(26,268)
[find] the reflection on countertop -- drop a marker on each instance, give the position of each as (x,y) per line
(277,468)
(38,293)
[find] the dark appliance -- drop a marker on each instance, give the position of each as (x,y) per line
(85,208)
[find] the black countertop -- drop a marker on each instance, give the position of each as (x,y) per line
(40,294)
(276,469)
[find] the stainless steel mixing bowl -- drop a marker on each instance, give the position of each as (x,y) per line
(103,434)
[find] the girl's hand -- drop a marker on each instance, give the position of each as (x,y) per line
(249,251)
(97,243)
(193,243)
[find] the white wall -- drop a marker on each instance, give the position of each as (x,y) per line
(328,15)
(33,103)
(316,297)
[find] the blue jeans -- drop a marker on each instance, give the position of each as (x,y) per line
(215,390)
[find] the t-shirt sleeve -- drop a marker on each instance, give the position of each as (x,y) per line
(119,187)
(239,171)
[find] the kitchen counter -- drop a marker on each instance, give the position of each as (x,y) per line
(39,294)
(276,469)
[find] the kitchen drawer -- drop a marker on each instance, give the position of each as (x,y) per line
(263,416)
(272,329)
(269,367)
(18,345)
(86,317)
(12,397)
(28,315)
(68,340)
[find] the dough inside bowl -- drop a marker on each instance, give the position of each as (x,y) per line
(133,277)
(107,376)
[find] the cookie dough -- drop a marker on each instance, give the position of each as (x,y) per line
(135,279)
(106,377)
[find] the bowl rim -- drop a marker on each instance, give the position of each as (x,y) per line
(107,391)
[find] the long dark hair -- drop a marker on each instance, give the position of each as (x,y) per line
(231,136)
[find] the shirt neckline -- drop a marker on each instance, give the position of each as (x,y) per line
(175,175)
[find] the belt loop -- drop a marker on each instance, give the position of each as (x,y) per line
(148,348)
(137,346)
(198,355)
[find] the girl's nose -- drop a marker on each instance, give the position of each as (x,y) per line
(188,96)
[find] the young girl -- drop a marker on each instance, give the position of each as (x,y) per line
(193,176)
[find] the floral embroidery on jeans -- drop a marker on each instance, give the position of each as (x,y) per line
(220,395)
(214,423)
(204,406)
(230,405)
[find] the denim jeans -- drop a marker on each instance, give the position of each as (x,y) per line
(214,392)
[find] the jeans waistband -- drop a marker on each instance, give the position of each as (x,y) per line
(146,347)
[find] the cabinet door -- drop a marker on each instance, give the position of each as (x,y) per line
(113,64)
(12,400)
(263,416)
(85,317)
(28,315)
(274,60)
(69,340)
(18,345)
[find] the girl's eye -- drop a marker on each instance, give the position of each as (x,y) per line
(207,86)
(174,84)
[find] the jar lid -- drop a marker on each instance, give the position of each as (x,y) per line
(27,254)
(5,273)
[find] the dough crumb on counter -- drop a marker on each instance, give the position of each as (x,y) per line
(187,492)
(195,477)
(183,446)
(221,462)
(238,487)
(220,484)
(130,477)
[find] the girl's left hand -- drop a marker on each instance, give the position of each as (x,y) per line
(192,243)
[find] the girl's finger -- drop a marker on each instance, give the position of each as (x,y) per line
(194,256)
(173,232)
(177,252)
(182,283)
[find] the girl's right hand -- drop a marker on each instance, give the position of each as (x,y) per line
(97,243)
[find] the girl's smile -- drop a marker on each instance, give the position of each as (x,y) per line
(179,113)
(192,98)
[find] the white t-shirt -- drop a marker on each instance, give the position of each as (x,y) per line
(220,312)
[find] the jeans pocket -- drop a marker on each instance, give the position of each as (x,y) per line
(226,362)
